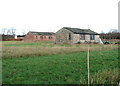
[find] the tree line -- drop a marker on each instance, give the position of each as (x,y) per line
(112,34)
(10,31)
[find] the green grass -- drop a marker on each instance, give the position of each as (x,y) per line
(60,69)
(25,44)
(18,44)
(42,44)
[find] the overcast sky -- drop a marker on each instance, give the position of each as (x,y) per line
(52,15)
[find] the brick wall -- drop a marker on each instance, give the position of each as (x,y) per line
(30,37)
(76,38)
(8,37)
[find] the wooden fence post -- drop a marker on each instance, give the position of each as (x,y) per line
(88,64)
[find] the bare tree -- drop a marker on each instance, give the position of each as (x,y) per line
(8,32)
(11,31)
(3,30)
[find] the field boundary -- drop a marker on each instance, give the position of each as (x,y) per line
(0,60)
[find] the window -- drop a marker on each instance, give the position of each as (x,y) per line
(36,37)
(40,37)
(92,37)
(44,37)
(82,37)
(51,37)
(69,36)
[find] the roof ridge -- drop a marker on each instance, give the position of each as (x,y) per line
(80,31)
(41,32)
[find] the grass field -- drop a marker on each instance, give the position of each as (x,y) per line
(58,64)
(13,49)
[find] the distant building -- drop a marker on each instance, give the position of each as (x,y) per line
(20,37)
(76,35)
(8,37)
(39,36)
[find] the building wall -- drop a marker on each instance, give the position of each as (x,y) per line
(42,37)
(8,37)
(76,38)
(87,37)
(62,36)
(97,38)
(30,37)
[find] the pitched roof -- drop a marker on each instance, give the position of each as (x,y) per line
(41,33)
(80,31)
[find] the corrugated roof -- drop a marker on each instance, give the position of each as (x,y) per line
(42,33)
(80,31)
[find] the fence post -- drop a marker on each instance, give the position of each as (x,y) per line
(88,64)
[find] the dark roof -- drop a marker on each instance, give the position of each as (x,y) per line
(42,33)
(80,31)
(20,35)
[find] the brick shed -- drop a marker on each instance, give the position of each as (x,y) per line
(76,35)
(39,36)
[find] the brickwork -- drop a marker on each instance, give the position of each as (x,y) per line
(30,37)
(8,37)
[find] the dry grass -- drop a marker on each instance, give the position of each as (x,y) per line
(46,48)
(106,76)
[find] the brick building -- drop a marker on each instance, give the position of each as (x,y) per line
(8,37)
(76,35)
(39,36)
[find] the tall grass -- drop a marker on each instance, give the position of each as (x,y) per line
(21,49)
(106,77)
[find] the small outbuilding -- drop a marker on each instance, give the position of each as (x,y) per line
(76,35)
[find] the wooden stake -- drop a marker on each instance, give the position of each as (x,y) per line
(88,65)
